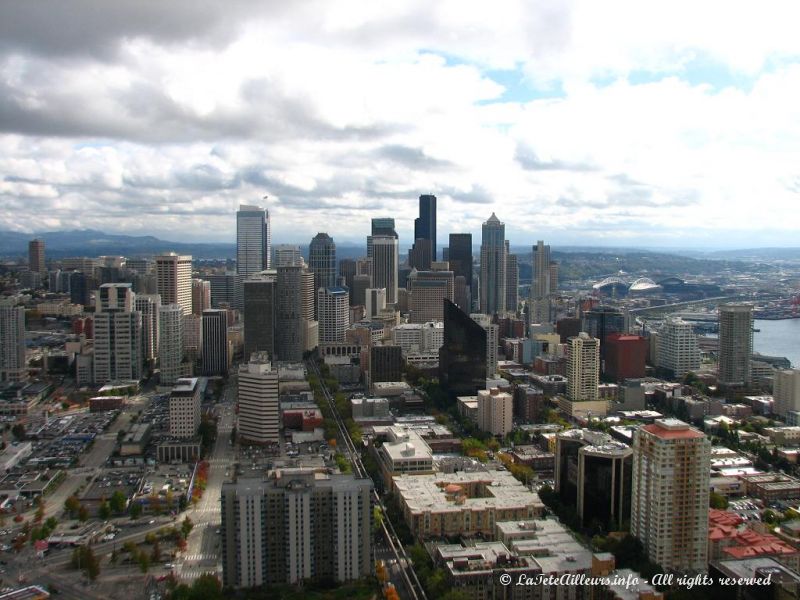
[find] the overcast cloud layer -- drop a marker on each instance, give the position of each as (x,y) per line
(576,122)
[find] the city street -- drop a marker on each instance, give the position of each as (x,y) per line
(203,551)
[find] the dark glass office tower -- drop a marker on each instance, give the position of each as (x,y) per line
(425,234)
(462,357)
(459,254)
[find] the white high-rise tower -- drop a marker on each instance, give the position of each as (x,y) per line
(253,240)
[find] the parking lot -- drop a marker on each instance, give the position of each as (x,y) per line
(747,508)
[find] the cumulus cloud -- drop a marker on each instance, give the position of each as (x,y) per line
(151,117)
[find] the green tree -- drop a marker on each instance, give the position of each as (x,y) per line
(135,510)
(83,513)
(155,555)
(718,501)
(117,502)
(206,587)
(186,527)
(83,558)
(144,562)
(72,505)
(104,512)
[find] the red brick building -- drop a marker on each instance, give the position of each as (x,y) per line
(625,356)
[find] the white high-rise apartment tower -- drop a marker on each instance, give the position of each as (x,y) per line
(583,367)
(678,350)
(258,400)
(333,308)
(253,240)
(174,280)
(669,503)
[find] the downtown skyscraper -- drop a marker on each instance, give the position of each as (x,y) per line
(253,240)
(117,334)
(322,261)
(493,267)
(385,265)
(541,287)
(174,280)
(460,258)
(423,251)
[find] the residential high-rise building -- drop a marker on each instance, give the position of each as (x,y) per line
(512,281)
(148,305)
(583,367)
(786,391)
(296,525)
(170,349)
(184,408)
(296,331)
(677,351)
(201,296)
(13,366)
(258,400)
(385,265)
(322,261)
(260,304)
(174,280)
(462,357)
(117,334)
(669,506)
(36,261)
(495,412)
(286,255)
(493,267)
(333,308)
(215,342)
(541,285)
(735,344)
(253,240)
(428,290)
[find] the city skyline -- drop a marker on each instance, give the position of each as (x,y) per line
(664,131)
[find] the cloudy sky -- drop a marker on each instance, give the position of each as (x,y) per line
(578,122)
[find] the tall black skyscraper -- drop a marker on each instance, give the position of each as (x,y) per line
(462,357)
(425,230)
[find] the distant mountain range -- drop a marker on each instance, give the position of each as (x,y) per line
(89,242)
